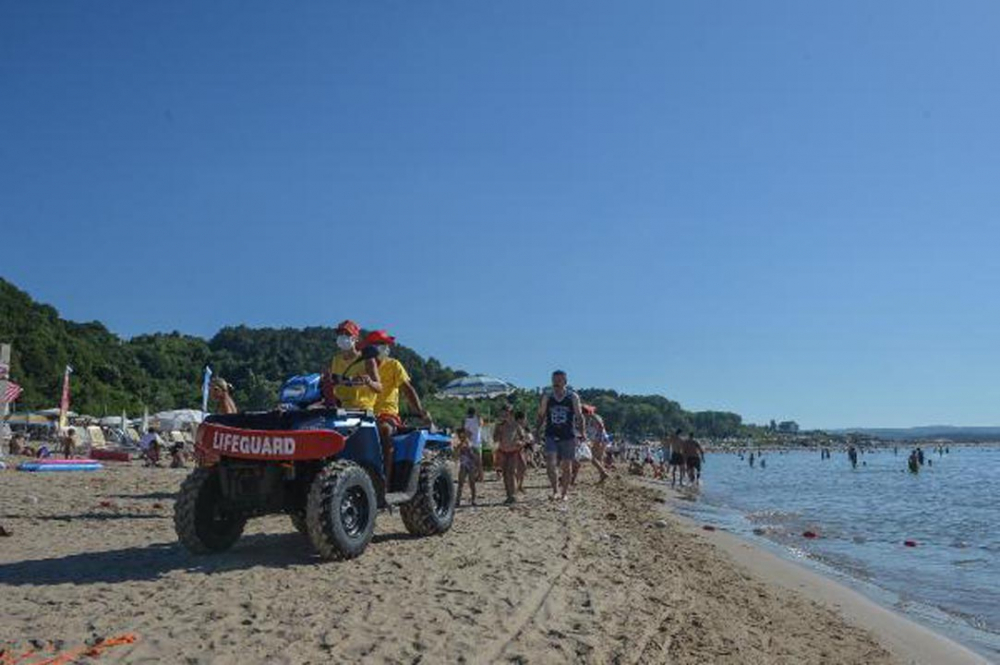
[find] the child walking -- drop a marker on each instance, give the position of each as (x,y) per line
(468,467)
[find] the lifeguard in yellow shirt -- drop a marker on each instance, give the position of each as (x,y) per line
(352,381)
(394,379)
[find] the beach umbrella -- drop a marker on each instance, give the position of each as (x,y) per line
(477,386)
(27,419)
(179,419)
(54,413)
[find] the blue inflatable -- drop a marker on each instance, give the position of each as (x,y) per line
(42,466)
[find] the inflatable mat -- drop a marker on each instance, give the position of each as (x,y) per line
(110,455)
(61,465)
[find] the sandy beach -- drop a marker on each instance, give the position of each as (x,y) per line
(609,578)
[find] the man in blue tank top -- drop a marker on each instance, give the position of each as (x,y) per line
(562,417)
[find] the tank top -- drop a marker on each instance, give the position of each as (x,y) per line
(559,417)
(475,433)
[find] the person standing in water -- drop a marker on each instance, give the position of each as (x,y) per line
(852,454)
(674,449)
(694,455)
(751,459)
(560,413)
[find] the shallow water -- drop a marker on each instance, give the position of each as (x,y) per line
(950,580)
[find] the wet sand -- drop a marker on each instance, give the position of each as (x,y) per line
(607,578)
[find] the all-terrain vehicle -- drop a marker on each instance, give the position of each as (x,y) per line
(321,467)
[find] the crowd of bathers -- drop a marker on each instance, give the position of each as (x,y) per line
(679,456)
(566,434)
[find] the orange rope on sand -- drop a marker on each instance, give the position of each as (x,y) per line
(13,659)
(71,655)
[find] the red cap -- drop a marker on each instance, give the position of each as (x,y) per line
(378,337)
(349,327)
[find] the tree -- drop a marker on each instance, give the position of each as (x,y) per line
(164,371)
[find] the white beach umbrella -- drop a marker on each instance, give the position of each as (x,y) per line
(178,420)
(477,386)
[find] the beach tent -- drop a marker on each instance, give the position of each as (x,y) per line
(96,436)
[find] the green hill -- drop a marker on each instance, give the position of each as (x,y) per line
(164,370)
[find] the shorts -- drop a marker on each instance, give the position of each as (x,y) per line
(504,455)
(563,449)
(392,420)
(676,459)
(694,463)
(467,463)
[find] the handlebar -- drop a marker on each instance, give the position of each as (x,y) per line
(409,418)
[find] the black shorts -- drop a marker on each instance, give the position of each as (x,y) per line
(694,463)
(676,459)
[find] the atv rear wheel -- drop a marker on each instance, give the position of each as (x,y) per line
(432,509)
(201,527)
(340,513)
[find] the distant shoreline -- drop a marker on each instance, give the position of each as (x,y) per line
(867,445)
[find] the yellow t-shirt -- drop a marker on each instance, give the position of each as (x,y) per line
(361,398)
(392,375)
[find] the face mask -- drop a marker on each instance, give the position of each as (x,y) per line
(345,342)
(382,350)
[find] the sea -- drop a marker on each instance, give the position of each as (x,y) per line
(948,578)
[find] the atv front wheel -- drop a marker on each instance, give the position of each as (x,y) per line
(432,510)
(340,513)
(201,527)
(299,522)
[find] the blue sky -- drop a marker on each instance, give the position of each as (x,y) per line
(785,209)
